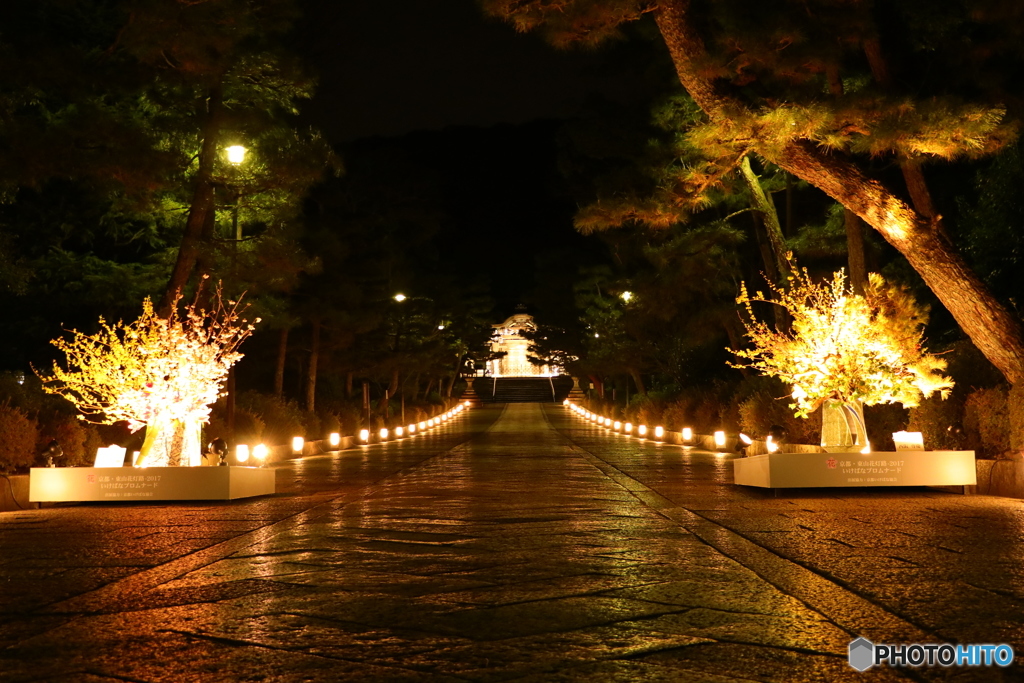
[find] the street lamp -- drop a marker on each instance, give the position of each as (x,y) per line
(400,298)
(626,296)
(236,154)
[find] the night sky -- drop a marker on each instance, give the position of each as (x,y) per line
(475,103)
(405,65)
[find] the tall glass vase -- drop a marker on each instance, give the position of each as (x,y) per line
(842,427)
(171,443)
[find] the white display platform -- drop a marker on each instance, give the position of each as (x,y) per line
(901,468)
(82,484)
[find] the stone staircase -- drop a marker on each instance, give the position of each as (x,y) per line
(522,389)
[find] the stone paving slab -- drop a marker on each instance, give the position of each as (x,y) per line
(516,544)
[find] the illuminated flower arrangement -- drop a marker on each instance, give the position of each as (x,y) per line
(844,347)
(159,373)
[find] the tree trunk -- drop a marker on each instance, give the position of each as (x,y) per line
(990,326)
(765,207)
(202,204)
(638,380)
(348,384)
(282,355)
(858,268)
(314,358)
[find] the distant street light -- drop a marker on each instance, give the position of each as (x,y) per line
(626,296)
(236,154)
(400,298)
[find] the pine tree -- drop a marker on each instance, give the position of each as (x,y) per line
(761,72)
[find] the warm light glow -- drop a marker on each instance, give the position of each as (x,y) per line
(641,430)
(364,435)
(628,428)
(617,426)
(627,296)
(399,431)
(467,404)
(242,452)
(334,439)
(720,439)
(260,452)
(422,425)
(236,154)
(866,449)
(411,429)
(109,456)
(383,434)
(297,444)
(908,441)
(746,439)
(687,434)
(771,446)
(565,402)
(430,422)
(400,298)
(659,432)
(162,373)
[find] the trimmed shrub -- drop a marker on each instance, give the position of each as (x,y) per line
(282,419)
(759,411)
(71,434)
(881,421)
(987,421)
(940,423)
(19,435)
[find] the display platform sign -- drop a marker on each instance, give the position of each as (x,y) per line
(900,468)
(84,484)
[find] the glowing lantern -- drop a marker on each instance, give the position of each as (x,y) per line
(565,402)
(628,428)
(641,430)
(422,426)
(260,453)
(659,432)
(364,435)
(687,434)
(617,426)
(334,439)
(399,431)
(384,434)
(297,444)
(908,441)
(242,452)
(720,439)
(411,429)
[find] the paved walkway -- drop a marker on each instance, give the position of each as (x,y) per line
(515,544)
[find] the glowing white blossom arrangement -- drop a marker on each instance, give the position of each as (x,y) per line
(156,372)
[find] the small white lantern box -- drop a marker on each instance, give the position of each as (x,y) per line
(895,468)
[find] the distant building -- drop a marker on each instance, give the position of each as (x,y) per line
(507,338)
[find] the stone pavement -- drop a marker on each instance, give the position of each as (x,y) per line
(515,544)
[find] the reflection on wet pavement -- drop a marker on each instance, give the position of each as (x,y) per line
(514,545)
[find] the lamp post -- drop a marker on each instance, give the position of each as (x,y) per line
(236,155)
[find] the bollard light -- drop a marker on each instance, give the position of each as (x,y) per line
(467,404)
(687,434)
(384,434)
(659,432)
(641,430)
(422,426)
(260,453)
(364,435)
(628,428)
(297,444)
(720,439)
(617,426)
(334,439)
(242,452)
(411,429)
(399,432)
(565,402)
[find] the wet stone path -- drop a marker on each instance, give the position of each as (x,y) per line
(517,544)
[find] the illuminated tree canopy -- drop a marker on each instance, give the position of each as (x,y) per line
(159,372)
(842,346)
